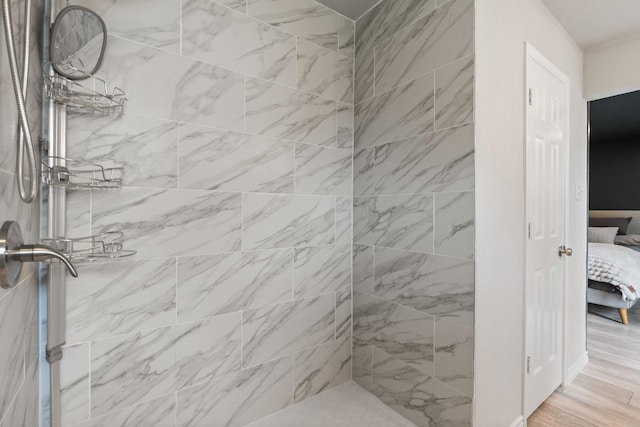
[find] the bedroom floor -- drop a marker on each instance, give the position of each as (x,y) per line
(607,392)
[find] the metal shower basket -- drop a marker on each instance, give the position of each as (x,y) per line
(103,246)
(77,174)
(83,99)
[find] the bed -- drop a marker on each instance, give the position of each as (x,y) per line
(614,277)
(614,264)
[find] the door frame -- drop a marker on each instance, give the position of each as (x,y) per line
(531,53)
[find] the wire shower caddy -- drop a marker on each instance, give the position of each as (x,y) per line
(81,98)
(103,246)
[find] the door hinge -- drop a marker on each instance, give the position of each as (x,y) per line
(530,96)
(528,364)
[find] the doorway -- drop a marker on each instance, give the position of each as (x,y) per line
(547,153)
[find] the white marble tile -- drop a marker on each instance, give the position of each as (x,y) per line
(282,112)
(324,72)
(440,161)
(158,412)
(386,19)
(399,113)
(218,284)
(416,396)
(24,411)
(344,210)
(406,334)
(454,356)
(152,22)
(225,37)
(12,208)
(160,223)
(8,132)
(74,384)
(363,85)
(345,126)
(79,213)
(212,159)
(362,362)
(305,18)
(207,348)
(132,369)
(454,93)
(323,171)
(12,341)
(441,286)
(9,116)
(346,405)
(120,297)
(364,180)
(31,319)
(239,5)
(431,42)
(400,222)
(343,314)
(287,328)
(455,224)
(147,149)
(274,221)
(167,86)
(346,37)
(363,268)
(320,270)
(238,398)
(321,368)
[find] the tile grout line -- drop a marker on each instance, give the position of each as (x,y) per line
(90,345)
(242,339)
(407,82)
(293,380)
(228,130)
(180,5)
(222,67)
(423,313)
(433,224)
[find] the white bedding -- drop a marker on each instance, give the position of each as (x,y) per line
(617,265)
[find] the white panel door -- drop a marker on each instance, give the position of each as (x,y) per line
(546,151)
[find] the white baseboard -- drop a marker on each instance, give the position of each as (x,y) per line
(519,422)
(577,367)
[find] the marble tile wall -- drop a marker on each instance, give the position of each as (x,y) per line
(237,146)
(413,231)
(19,393)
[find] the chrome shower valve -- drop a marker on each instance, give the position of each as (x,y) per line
(13,252)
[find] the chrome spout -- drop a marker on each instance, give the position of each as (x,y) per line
(13,252)
(37,253)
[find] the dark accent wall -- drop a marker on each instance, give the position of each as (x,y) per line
(614,175)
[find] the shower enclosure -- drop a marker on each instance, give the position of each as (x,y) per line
(299,190)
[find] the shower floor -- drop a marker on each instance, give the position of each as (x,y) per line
(347,405)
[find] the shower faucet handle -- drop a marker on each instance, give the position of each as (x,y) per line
(13,253)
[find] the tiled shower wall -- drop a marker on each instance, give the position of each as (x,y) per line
(414,208)
(19,306)
(237,148)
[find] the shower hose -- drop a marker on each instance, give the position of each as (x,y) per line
(26,190)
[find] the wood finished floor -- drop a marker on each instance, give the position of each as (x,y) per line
(607,392)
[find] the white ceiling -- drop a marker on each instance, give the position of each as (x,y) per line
(593,22)
(353,9)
